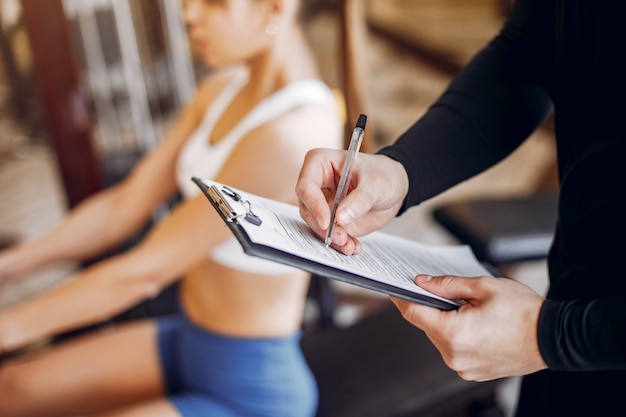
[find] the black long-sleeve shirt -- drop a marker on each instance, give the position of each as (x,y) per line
(566,56)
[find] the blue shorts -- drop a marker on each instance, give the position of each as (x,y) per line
(208,374)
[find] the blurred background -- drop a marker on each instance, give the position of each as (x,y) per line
(88,86)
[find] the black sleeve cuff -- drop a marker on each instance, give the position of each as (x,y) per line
(583,335)
(411,197)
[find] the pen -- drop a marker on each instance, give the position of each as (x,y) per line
(344,181)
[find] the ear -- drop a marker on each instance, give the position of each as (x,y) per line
(281,8)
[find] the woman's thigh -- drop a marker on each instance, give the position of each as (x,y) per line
(159,407)
(101,371)
(215,374)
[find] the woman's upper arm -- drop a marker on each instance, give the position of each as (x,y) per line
(154,178)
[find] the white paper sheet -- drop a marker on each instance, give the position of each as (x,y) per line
(385,258)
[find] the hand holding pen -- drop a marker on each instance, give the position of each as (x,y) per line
(346,173)
(378,186)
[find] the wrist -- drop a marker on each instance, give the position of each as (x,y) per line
(403,177)
(539,360)
(12,262)
(402,185)
(10,334)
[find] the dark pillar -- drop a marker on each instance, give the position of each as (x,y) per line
(63,104)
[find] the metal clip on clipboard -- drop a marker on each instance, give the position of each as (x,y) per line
(226,209)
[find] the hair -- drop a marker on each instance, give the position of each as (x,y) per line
(352,27)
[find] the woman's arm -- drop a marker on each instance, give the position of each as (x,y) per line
(109,287)
(178,242)
(110,216)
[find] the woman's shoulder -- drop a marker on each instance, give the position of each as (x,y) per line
(302,108)
(318,104)
(312,122)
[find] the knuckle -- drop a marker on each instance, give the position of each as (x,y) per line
(299,190)
(452,361)
(407,313)
(465,375)
(311,154)
(447,280)
(484,283)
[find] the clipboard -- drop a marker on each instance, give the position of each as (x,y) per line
(274,231)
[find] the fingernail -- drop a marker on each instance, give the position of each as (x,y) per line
(423,278)
(345,216)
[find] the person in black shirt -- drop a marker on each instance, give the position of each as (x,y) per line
(551,55)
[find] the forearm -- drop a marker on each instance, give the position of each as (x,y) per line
(94,226)
(172,248)
(92,296)
(489,109)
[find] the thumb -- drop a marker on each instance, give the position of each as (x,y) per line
(356,204)
(447,286)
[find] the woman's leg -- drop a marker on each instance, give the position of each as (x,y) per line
(219,375)
(156,408)
(95,373)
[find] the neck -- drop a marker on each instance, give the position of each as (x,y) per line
(290,58)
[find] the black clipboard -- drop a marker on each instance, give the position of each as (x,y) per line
(227,202)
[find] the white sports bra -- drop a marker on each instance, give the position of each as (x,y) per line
(202,159)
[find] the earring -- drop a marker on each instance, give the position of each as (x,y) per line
(271,29)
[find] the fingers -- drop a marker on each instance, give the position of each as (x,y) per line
(357,203)
(421,316)
(492,336)
(315,182)
(453,287)
(373,200)
(314,209)
(341,240)
(347,245)
(312,221)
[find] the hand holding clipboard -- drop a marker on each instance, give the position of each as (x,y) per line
(273,230)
